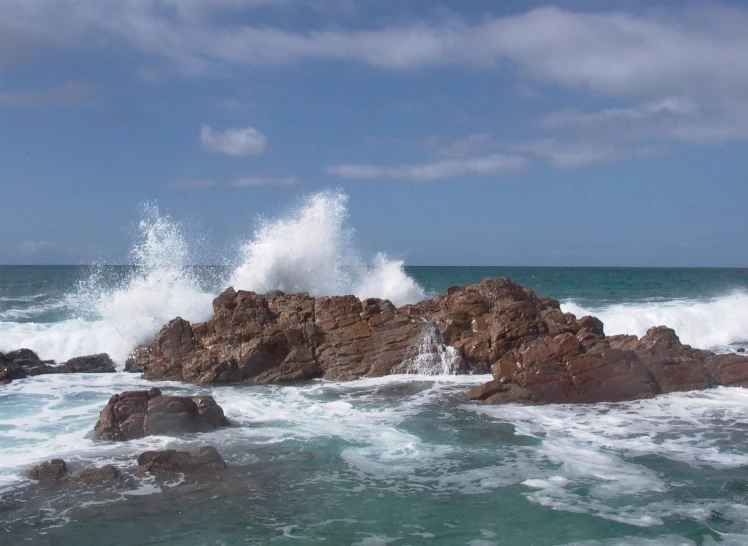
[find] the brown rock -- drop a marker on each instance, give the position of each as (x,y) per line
(135,414)
(205,460)
(98,475)
(99,363)
(49,472)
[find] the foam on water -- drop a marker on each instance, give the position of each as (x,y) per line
(705,324)
(312,250)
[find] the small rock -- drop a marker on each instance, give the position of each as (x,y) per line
(51,471)
(205,460)
(99,363)
(741,350)
(98,475)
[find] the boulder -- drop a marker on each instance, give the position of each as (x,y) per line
(49,472)
(562,369)
(98,475)
(205,460)
(136,414)
(99,363)
(138,359)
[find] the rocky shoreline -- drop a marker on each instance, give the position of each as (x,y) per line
(535,352)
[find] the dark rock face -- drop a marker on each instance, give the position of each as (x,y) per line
(205,460)
(567,369)
(52,471)
(138,359)
(98,475)
(276,338)
(100,363)
(135,414)
(25,363)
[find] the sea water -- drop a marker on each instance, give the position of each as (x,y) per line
(397,460)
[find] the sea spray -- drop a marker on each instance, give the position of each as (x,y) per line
(312,250)
(433,356)
(711,324)
(114,315)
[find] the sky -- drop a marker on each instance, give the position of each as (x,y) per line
(471,132)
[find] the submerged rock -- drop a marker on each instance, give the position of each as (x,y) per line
(135,414)
(49,472)
(98,475)
(205,460)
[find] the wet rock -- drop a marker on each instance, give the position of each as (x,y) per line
(98,363)
(138,359)
(292,337)
(136,414)
(98,475)
(556,370)
(50,471)
(205,460)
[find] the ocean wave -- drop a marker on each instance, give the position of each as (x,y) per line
(715,323)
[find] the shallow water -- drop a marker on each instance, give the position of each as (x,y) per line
(396,460)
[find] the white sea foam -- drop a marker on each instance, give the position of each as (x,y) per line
(704,324)
(312,250)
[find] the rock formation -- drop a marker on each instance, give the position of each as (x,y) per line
(98,475)
(536,353)
(25,363)
(135,414)
(205,460)
(571,368)
(266,339)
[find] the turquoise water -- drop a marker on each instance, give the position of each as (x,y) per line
(397,460)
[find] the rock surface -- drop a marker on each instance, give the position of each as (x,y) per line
(49,472)
(536,353)
(135,414)
(276,338)
(573,369)
(205,460)
(25,363)
(98,475)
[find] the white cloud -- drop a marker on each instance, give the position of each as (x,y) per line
(248,181)
(258,181)
(72,93)
(30,248)
(237,142)
(579,154)
(490,165)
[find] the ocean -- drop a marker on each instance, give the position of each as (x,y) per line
(397,460)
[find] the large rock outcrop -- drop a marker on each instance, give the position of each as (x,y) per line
(136,414)
(536,353)
(572,369)
(275,338)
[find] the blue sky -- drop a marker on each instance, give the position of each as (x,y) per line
(473,132)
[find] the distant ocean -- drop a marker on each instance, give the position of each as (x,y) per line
(397,460)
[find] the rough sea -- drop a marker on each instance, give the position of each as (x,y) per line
(397,460)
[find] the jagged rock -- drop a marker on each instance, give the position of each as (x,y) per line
(98,475)
(264,339)
(135,414)
(138,359)
(535,352)
(50,471)
(562,369)
(205,460)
